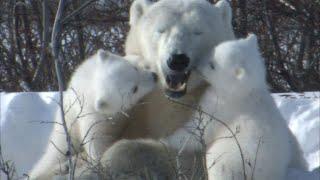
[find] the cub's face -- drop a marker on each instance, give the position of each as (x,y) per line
(120,84)
(174,36)
(235,67)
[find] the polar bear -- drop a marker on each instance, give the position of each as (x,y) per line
(240,98)
(161,33)
(171,38)
(149,159)
(96,104)
(159,37)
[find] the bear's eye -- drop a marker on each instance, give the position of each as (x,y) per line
(197,33)
(135,89)
(211,65)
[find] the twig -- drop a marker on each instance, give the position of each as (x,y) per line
(180,173)
(212,117)
(5,166)
(76,12)
(286,3)
(44,43)
(255,159)
(55,39)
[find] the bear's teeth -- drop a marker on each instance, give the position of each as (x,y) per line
(179,87)
(182,86)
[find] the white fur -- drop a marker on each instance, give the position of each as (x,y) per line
(100,92)
(148,159)
(157,31)
(161,29)
(240,98)
(130,159)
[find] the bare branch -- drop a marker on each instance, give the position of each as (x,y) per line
(76,12)
(256,157)
(212,117)
(55,39)
(44,43)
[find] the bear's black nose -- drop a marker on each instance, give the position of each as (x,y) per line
(178,62)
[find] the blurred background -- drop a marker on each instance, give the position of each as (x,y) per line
(288,32)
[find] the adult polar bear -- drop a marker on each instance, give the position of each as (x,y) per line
(171,38)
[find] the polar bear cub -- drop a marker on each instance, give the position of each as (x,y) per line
(240,98)
(96,103)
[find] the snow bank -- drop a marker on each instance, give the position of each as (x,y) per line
(25,126)
(302,112)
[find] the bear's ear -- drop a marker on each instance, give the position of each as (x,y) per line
(226,10)
(137,9)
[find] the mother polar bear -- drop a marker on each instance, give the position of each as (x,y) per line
(171,38)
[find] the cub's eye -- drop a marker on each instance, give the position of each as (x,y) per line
(135,89)
(161,31)
(102,104)
(198,33)
(211,65)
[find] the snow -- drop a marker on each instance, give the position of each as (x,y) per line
(302,112)
(25,127)
(23,137)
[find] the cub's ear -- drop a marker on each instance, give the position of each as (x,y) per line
(137,9)
(226,10)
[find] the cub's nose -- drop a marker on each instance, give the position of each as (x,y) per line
(178,62)
(154,76)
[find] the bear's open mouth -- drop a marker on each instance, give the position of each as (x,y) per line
(177,84)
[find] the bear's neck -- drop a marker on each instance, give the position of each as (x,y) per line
(253,104)
(132,44)
(158,117)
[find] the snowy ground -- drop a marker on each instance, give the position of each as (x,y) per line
(25,127)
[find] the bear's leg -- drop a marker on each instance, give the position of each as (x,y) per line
(55,154)
(139,159)
(97,134)
(224,160)
(191,164)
